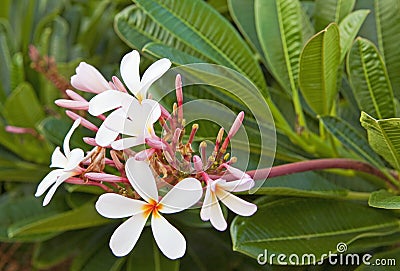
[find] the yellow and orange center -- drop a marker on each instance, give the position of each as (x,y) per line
(152,207)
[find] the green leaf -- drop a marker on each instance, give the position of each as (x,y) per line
(56,250)
(384,199)
(387,22)
(83,217)
(307,226)
(213,36)
(370,82)
(282,32)
(319,63)
(348,29)
(352,139)
(21,171)
(178,57)
(306,184)
(6,59)
(328,11)
(243,14)
(24,211)
(138,29)
(22,107)
(383,136)
(386,260)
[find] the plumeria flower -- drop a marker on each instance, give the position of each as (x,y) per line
(182,196)
(220,190)
(89,79)
(113,99)
(67,164)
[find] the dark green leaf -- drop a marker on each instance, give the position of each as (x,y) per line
(328,11)
(307,226)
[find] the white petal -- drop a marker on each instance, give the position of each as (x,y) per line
(68,136)
(170,241)
(106,101)
(105,136)
(75,157)
(126,235)
(155,71)
(88,78)
(113,205)
(237,186)
(53,189)
(216,216)
(129,69)
(205,212)
(239,174)
(58,159)
(155,110)
(183,195)
(142,179)
(122,125)
(128,142)
(47,181)
(236,204)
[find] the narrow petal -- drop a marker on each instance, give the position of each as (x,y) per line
(183,195)
(127,142)
(129,69)
(239,174)
(237,186)
(105,136)
(216,216)
(68,137)
(58,159)
(53,189)
(112,205)
(170,241)
(205,212)
(154,72)
(88,78)
(75,157)
(106,101)
(127,234)
(236,204)
(142,179)
(47,181)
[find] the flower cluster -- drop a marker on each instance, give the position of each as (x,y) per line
(164,177)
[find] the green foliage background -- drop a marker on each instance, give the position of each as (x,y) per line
(328,69)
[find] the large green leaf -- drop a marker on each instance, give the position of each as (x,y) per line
(137,29)
(352,139)
(328,11)
(319,63)
(22,107)
(387,21)
(213,36)
(384,199)
(384,137)
(348,29)
(83,217)
(282,31)
(370,82)
(305,184)
(178,57)
(24,211)
(386,260)
(243,14)
(307,226)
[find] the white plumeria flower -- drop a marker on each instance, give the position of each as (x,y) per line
(182,196)
(89,79)
(113,99)
(68,164)
(220,190)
